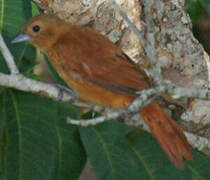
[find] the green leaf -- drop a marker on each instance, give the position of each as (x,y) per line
(35,10)
(13,15)
(2,176)
(28,61)
(195,9)
(109,156)
(39,143)
(2,134)
(156,162)
(199,167)
(206,5)
(71,157)
(137,156)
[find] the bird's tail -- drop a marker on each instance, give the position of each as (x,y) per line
(168,134)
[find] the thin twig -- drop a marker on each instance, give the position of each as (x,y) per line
(94,121)
(20,82)
(8,56)
(37,1)
(144,99)
(129,22)
(179,92)
(148,44)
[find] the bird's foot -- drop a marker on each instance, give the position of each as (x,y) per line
(62,89)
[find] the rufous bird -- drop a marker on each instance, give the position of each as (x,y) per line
(101,73)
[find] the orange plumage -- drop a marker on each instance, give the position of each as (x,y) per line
(101,73)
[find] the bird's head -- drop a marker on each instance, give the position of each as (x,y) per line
(41,31)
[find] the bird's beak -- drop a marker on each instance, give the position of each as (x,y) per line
(21,37)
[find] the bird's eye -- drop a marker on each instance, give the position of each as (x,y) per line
(36,28)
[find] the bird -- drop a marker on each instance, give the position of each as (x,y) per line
(101,73)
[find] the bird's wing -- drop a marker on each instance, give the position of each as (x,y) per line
(98,60)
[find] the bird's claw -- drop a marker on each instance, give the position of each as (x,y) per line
(62,89)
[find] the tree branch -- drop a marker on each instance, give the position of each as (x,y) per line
(20,82)
(8,56)
(142,101)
